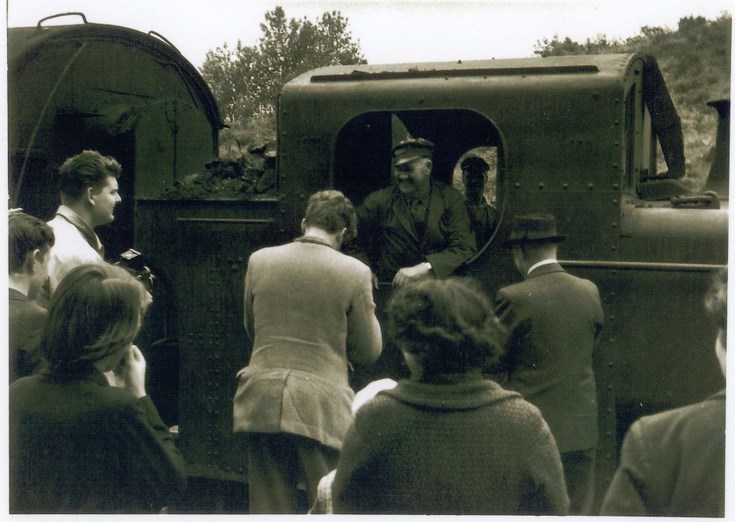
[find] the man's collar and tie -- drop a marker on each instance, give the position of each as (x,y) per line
(418,209)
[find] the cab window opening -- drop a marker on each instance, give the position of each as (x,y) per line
(362,158)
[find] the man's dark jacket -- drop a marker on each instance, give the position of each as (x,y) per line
(673,464)
(553,320)
(388,235)
(26,321)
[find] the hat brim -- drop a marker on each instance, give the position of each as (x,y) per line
(525,240)
(407,159)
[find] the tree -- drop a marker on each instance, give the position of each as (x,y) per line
(566,47)
(695,62)
(246,80)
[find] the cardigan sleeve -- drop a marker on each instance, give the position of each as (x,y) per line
(546,493)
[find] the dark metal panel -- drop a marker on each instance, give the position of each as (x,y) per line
(202,248)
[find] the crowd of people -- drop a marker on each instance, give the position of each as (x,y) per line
(492,411)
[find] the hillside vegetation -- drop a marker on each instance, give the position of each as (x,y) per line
(695,62)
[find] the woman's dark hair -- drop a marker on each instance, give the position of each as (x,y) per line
(26,234)
(89,168)
(332,211)
(448,323)
(94,314)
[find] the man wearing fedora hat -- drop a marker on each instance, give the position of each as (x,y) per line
(418,226)
(553,320)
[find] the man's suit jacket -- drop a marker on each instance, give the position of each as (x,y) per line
(25,327)
(387,232)
(82,446)
(553,320)
(673,464)
(307,308)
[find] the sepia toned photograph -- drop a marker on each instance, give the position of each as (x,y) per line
(367,257)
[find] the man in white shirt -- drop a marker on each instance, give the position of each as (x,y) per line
(89,194)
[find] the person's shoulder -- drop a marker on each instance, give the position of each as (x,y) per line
(56,220)
(381,195)
(61,224)
(352,264)
(26,317)
(691,415)
(512,405)
(580,280)
(21,304)
(512,290)
(378,408)
(268,252)
(24,385)
(447,191)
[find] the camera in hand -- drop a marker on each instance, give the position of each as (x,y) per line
(135,263)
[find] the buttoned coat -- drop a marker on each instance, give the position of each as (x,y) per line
(81,446)
(389,237)
(308,308)
(553,320)
(673,464)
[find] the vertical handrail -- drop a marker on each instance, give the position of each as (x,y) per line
(41,116)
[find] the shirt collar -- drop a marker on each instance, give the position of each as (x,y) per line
(76,220)
(314,240)
(541,263)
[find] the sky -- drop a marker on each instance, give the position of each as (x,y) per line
(389,31)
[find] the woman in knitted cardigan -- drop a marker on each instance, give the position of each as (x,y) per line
(448,441)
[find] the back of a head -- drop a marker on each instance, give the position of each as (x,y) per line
(26,233)
(94,315)
(331,211)
(448,323)
(89,168)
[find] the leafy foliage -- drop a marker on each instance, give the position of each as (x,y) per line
(695,63)
(246,80)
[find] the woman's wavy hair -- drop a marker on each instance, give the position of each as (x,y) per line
(448,323)
(332,211)
(95,313)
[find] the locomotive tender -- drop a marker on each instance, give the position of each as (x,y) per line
(578,136)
